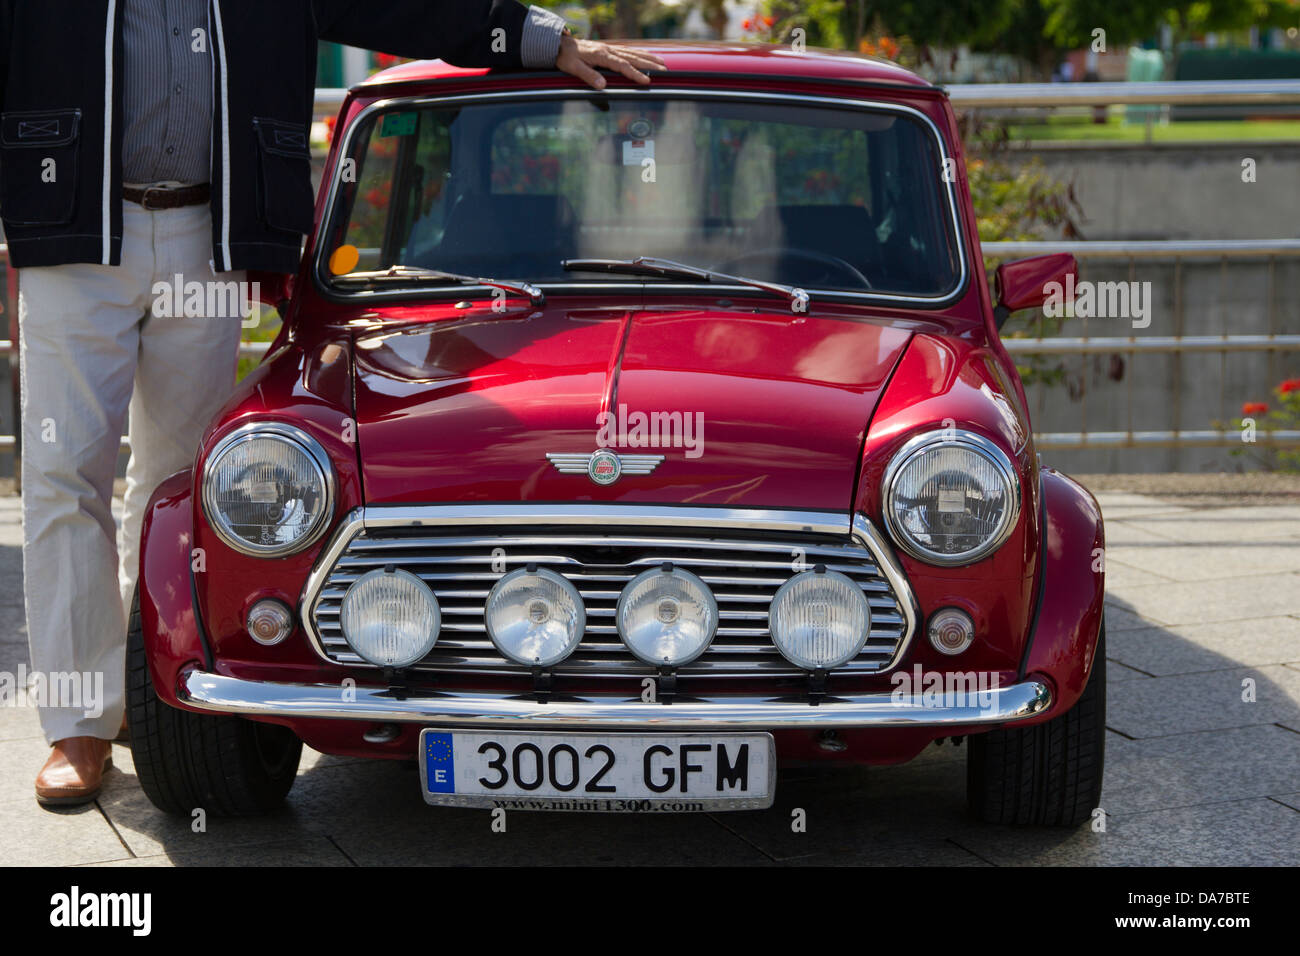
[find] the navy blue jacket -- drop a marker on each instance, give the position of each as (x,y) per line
(61,100)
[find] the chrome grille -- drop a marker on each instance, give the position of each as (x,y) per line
(743,571)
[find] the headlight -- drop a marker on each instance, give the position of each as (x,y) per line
(268,489)
(535,617)
(390,617)
(667,616)
(819,619)
(950,497)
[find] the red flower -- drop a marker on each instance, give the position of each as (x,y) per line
(1254,408)
(1290,385)
(747,24)
(768,21)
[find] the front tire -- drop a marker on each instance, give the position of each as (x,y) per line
(184,761)
(1049,774)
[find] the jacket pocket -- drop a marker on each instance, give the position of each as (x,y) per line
(284,194)
(38,166)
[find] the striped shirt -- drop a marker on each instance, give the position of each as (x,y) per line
(168,91)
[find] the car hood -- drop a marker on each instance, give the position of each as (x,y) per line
(754,408)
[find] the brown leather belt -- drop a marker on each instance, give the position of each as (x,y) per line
(165,197)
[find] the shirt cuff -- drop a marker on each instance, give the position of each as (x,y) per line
(541,39)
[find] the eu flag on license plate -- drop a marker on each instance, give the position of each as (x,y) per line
(439,763)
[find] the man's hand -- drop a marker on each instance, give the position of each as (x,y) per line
(580,58)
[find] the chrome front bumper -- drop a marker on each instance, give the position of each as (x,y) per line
(230,695)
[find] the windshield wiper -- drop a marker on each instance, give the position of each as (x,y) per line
(668,268)
(404,273)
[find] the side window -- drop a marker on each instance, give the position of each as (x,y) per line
(431,174)
(377,166)
(408,155)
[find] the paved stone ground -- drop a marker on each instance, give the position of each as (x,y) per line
(1203,593)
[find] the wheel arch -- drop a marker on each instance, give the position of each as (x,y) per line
(169,616)
(1069,609)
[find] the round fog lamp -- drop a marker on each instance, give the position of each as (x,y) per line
(667,616)
(819,619)
(535,617)
(390,617)
(269,621)
(951,630)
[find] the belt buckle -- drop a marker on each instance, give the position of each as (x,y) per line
(144,197)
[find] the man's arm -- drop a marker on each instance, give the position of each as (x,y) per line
(492,33)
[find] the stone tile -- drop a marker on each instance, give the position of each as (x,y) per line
(1291,800)
(17,723)
(1124,534)
(1208,562)
(13,657)
(1116,671)
(1232,525)
(1122,504)
(1191,703)
(375,813)
(1222,645)
(894,815)
(1201,768)
(315,760)
(1222,599)
(1121,617)
(1120,576)
(939,753)
(11,570)
(149,832)
(34,836)
(23,757)
(313,851)
(1257,832)
(13,622)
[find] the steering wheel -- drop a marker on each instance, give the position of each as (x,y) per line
(832,265)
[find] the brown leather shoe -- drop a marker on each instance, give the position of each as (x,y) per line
(74,772)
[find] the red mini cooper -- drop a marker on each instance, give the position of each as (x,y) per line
(620,448)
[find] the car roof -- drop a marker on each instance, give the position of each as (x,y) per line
(718,57)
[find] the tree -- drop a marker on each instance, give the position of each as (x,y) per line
(1072,22)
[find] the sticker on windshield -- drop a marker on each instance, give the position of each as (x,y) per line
(344,259)
(397,124)
(635,151)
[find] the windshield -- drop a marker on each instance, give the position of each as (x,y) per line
(823,198)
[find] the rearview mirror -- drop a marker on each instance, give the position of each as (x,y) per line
(1023,284)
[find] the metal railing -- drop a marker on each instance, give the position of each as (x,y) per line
(1250,93)
(1177,251)
(1243,93)
(1247,93)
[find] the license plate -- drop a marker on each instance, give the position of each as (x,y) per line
(680,773)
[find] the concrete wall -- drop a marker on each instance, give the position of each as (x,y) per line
(1166,191)
(1176,192)
(1157,192)
(1156,391)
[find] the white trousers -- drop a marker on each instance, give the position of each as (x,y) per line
(92,347)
